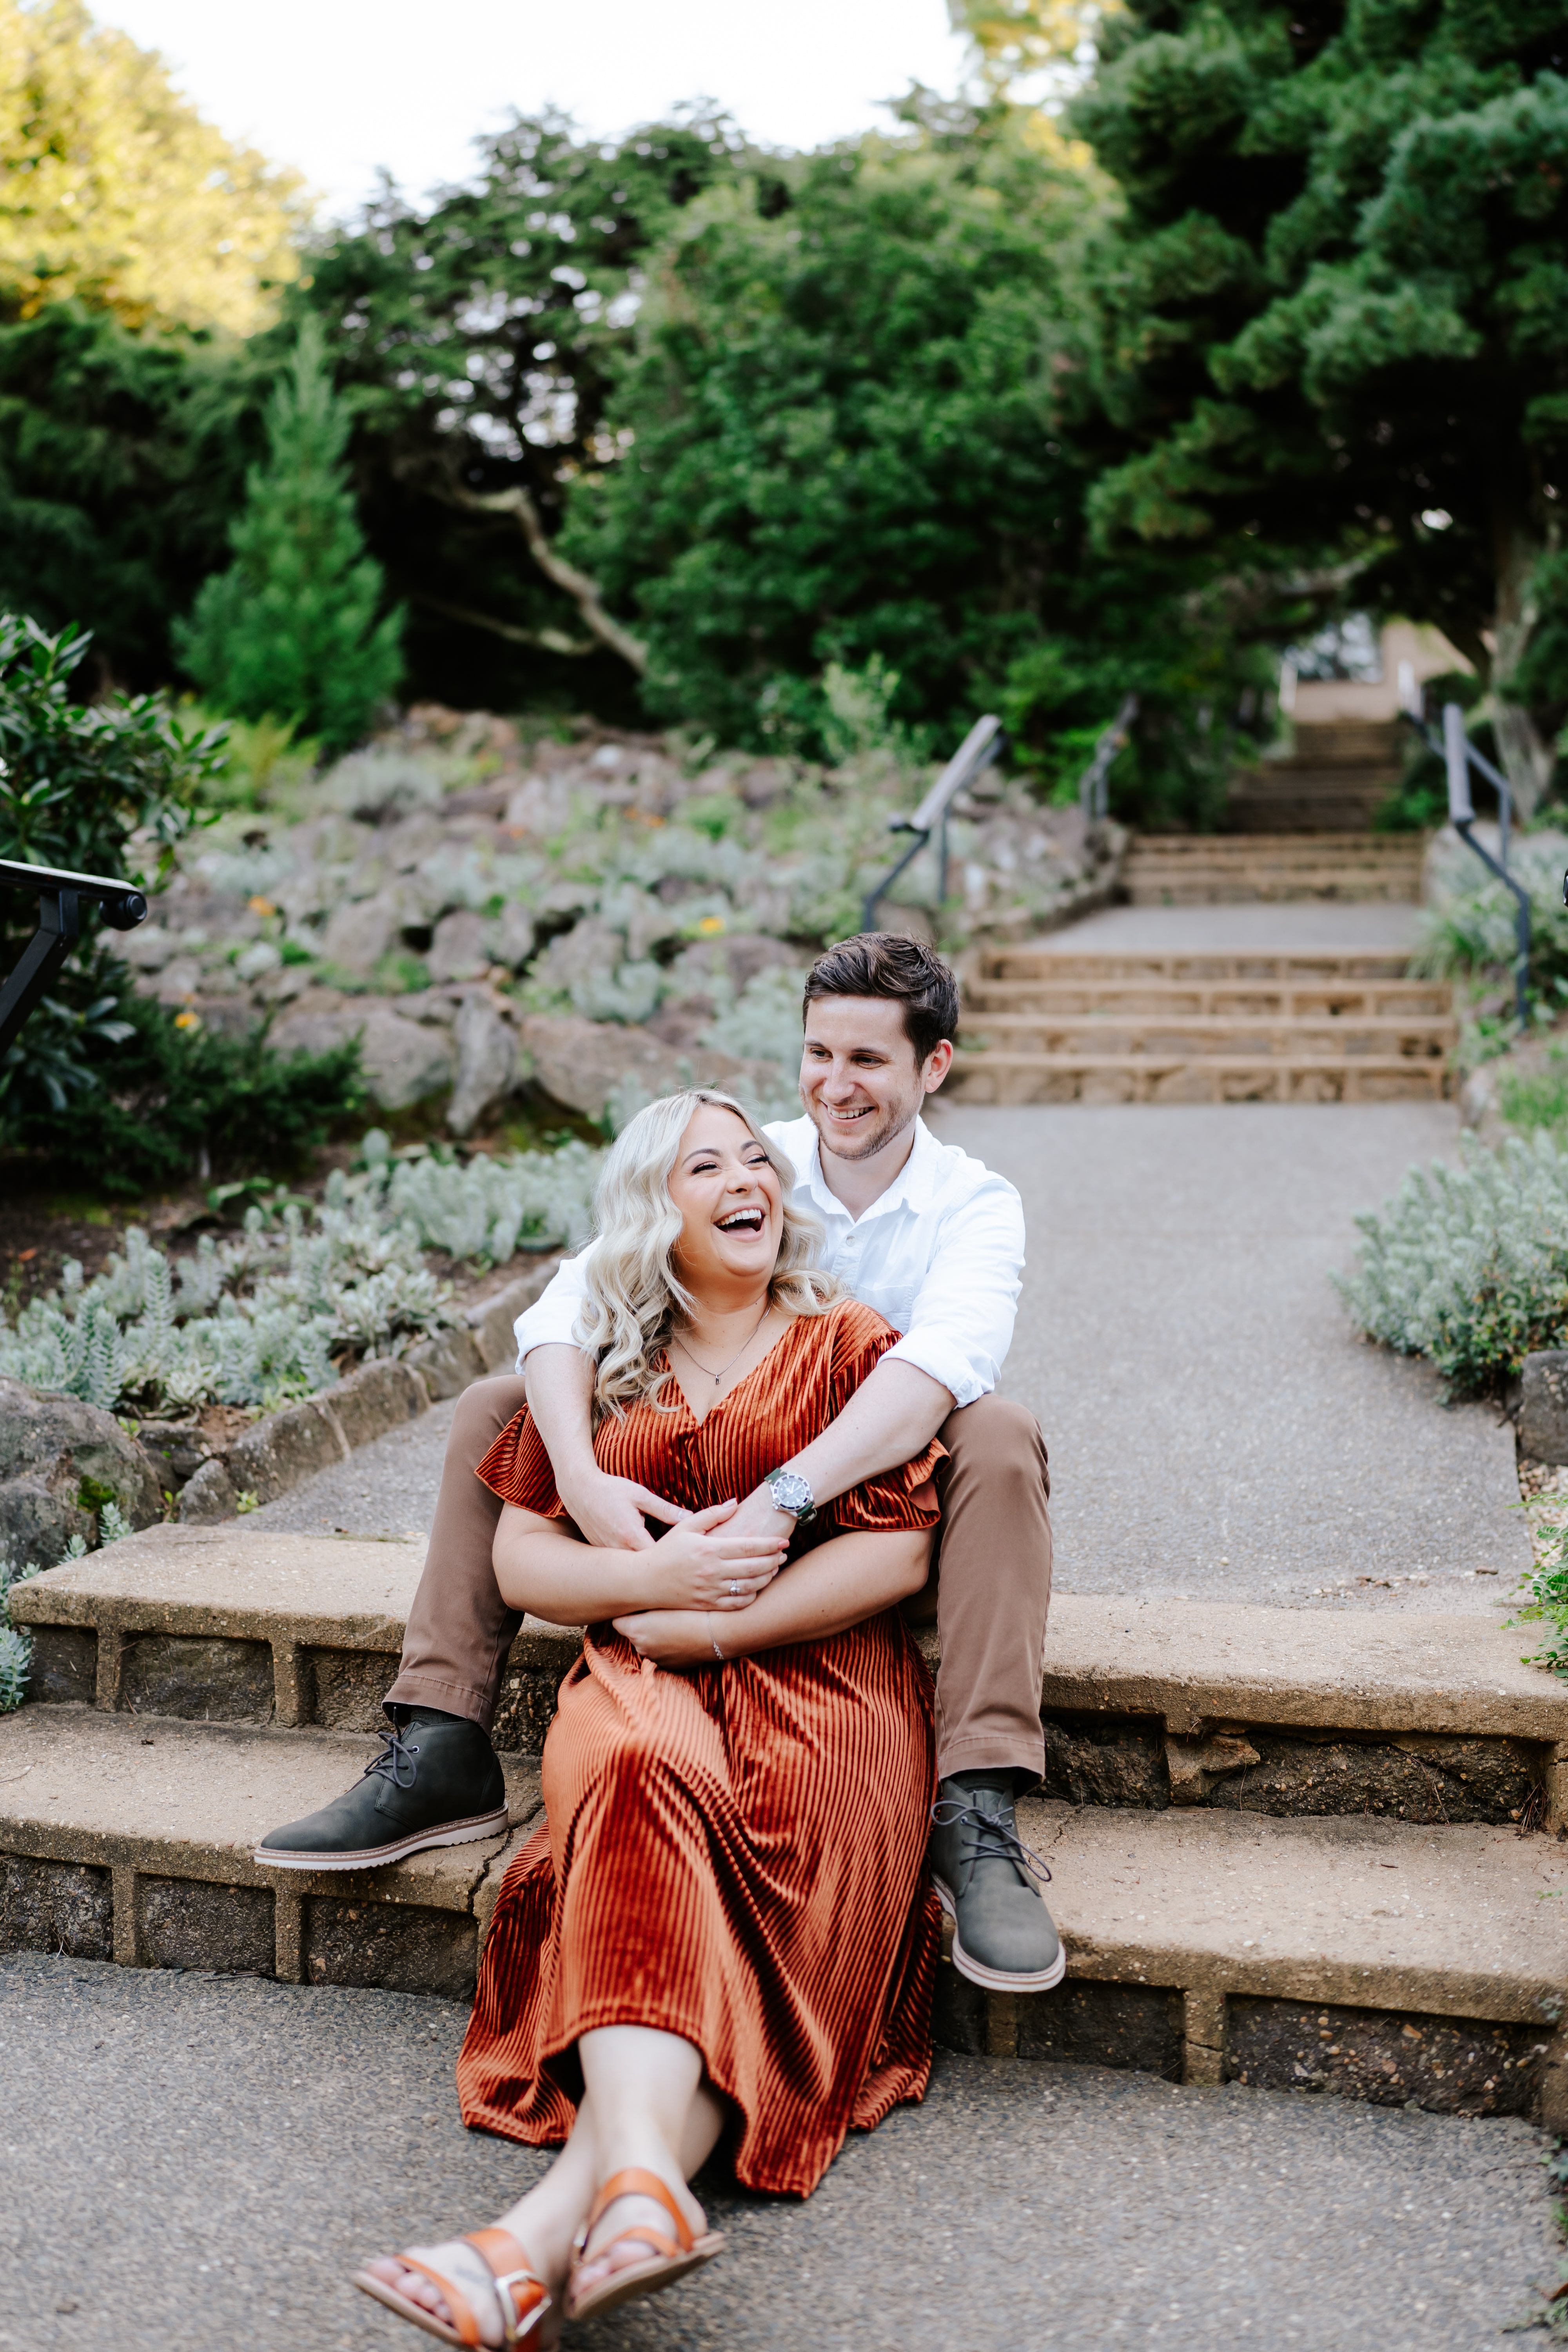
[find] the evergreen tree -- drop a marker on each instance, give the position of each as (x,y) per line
(290,631)
(1334,315)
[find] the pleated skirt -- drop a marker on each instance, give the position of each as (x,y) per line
(734,1854)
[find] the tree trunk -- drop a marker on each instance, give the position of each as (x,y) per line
(1528,758)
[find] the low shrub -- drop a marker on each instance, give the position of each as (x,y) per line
(1468,1265)
(302,1292)
(16,1645)
(1471,924)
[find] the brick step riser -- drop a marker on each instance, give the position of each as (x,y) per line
(1198,1036)
(1330,888)
(1271,1768)
(1006,1079)
(1172,1000)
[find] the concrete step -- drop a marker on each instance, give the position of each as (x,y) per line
(1201,1035)
(1287,849)
(1347,1000)
(1345,743)
(130,1838)
(1007,1078)
(1332,967)
(250,1629)
(1193,870)
(1371,1960)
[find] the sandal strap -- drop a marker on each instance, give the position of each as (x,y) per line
(458,2303)
(637,2182)
(520,2290)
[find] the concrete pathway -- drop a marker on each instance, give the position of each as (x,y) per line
(192,2161)
(1303,928)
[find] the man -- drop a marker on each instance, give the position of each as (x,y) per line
(935,1242)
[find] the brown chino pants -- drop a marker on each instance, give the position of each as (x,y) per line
(989,1589)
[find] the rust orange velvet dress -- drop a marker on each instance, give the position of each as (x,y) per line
(734,1853)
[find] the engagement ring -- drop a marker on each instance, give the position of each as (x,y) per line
(734,1590)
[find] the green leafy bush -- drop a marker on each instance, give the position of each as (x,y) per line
(1469,925)
(16,1645)
(1535,1098)
(1468,1265)
(166,1102)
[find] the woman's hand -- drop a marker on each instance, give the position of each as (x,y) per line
(670,1637)
(697,1566)
(608,1512)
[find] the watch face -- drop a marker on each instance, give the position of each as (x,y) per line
(789,1490)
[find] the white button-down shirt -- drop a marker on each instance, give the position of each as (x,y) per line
(940,1254)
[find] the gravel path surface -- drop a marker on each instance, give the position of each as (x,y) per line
(386,1488)
(1216,1427)
(192,2161)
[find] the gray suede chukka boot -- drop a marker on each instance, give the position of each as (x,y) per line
(1002,1935)
(436,1783)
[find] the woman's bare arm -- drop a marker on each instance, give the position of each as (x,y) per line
(541,1567)
(841,1584)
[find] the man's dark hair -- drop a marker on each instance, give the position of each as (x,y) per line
(881,963)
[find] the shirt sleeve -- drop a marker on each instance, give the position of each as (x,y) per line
(552,1319)
(961,1324)
(517,1468)
(901,1497)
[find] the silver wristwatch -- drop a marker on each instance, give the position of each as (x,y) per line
(790,1493)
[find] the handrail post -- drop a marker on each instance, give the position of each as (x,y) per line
(1459,756)
(60,894)
(980,747)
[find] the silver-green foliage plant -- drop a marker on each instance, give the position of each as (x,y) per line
(1471,924)
(16,1646)
(276,1312)
(1468,1265)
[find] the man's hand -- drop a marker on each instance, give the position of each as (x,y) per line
(609,1512)
(670,1637)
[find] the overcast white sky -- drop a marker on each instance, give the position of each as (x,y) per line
(339,87)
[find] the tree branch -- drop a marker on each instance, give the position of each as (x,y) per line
(584,592)
(550,641)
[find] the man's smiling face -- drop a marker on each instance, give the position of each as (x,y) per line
(859,1080)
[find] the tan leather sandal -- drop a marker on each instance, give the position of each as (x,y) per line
(522,2294)
(668,2259)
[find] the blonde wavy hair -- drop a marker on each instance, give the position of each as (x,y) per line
(633,1292)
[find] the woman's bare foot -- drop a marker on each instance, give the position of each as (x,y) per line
(473,2278)
(610,2250)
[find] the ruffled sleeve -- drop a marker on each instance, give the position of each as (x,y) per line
(517,1468)
(903,1497)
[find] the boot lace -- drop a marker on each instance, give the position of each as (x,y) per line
(395,1759)
(987,1837)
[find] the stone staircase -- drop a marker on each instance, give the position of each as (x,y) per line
(1204,870)
(1330,1862)
(1251,1026)
(1336,775)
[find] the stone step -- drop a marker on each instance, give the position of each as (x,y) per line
(1201,1035)
(1284,849)
(1375,1958)
(130,1838)
(1188,1704)
(1371,1960)
(1347,1000)
(1007,1078)
(1197,869)
(1330,966)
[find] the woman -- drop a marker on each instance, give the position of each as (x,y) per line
(725,1925)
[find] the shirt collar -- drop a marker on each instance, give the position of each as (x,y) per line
(911,1188)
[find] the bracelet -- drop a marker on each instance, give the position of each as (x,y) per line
(718,1653)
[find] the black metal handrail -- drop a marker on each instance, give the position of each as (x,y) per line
(982,744)
(1459,756)
(60,893)
(1094,785)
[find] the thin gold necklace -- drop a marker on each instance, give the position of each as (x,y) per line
(716,1375)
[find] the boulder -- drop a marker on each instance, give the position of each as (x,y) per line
(580,1062)
(1543,1406)
(380,1396)
(360,931)
(487,1049)
(459,947)
(60,1462)
(403,1060)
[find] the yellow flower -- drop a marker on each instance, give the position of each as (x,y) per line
(188,1020)
(262,907)
(712,923)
